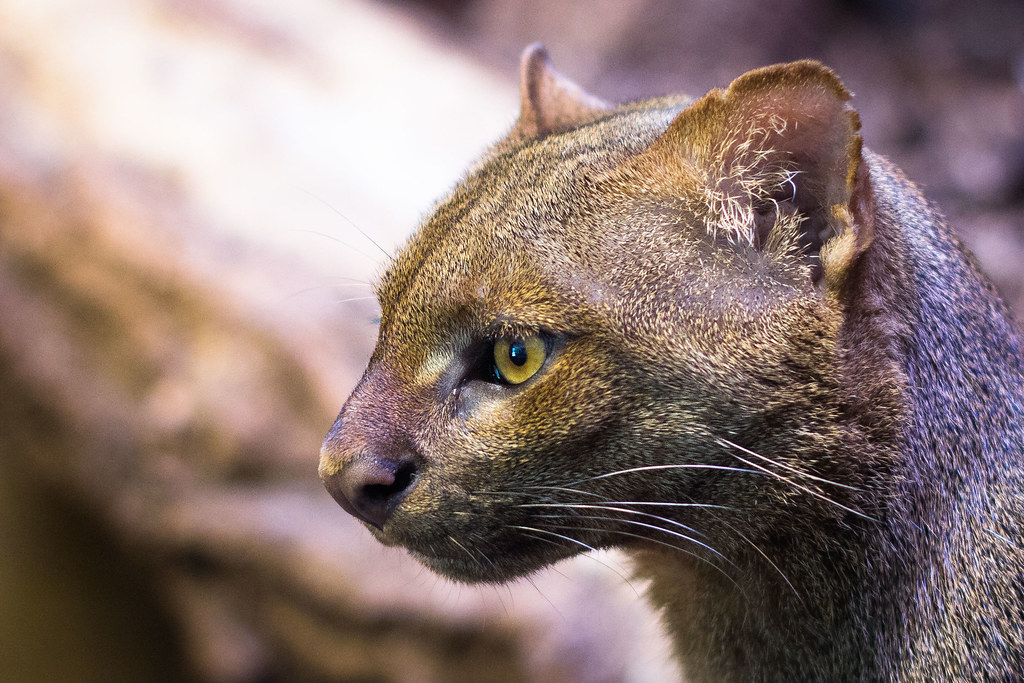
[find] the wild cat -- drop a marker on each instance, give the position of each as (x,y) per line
(721,335)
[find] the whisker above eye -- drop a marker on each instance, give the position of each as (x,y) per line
(355,298)
(351,222)
(334,238)
(319,288)
(350,280)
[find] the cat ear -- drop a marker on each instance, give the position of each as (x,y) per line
(551,102)
(774,160)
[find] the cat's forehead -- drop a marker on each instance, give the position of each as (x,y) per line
(491,261)
(509,214)
(528,198)
(535,225)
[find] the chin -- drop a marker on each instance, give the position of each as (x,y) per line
(505,566)
(462,570)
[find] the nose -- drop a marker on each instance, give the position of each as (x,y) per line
(370,487)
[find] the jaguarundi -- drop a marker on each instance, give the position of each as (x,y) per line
(721,335)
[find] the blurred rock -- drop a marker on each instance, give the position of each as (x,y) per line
(184,305)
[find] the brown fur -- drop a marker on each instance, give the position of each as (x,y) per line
(774,378)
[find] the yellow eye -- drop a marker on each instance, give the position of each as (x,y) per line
(517,359)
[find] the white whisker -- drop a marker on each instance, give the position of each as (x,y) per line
(566,489)
(655,528)
(466,550)
(805,489)
(543,531)
(794,470)
(648,468)
(594,506)
(767,559)
(319,288)
(352,223)
(667,545)
(333,238)
(620,574)
(355,298)
(349,280)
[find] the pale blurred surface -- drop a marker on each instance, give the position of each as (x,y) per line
(184,185)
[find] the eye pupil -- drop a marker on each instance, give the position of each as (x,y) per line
(517,353)
(517,359)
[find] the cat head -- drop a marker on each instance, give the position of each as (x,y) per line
(609,305)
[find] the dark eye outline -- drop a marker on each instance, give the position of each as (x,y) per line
(485,369)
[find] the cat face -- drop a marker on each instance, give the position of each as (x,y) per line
(594,323)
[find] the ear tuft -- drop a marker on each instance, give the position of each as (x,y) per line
(773,161)
(550,102)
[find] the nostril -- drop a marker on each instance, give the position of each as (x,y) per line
(370,488)
(404,476)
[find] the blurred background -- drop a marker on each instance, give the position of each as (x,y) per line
(184,301)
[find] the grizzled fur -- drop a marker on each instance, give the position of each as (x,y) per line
(774,377)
